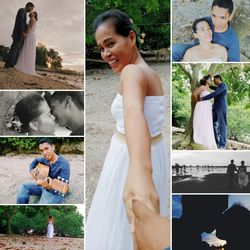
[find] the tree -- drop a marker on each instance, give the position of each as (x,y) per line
(21,219)
(187,76)
(3,52)
(47,58)
(151,17)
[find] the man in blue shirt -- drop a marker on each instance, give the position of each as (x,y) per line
(219,111)
(223,33)
(59,168)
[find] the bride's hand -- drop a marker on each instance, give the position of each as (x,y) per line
(139,185)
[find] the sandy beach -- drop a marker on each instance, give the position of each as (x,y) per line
(14,171)
(40,242)
(12,79)
(101,89)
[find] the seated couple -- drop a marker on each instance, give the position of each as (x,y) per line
(50,173)
(216,41)
(35,114)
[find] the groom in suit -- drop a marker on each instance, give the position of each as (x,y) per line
(219,111)
(18,35)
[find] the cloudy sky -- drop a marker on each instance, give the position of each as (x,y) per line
(60,26)
(219,158)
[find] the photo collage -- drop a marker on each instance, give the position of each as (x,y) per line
(125,125)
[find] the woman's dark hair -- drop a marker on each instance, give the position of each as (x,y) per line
(76,96)
(35,13)
(226,4)
(120,20)
(218,76)
(27,109)
(204,80)
(196,21)
(50,216)
(29,4)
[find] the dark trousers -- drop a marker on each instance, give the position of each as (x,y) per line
(220,126)
(14,52)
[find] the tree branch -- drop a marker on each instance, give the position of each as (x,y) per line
(186,71)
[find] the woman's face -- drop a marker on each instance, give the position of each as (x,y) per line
(46,121)
(208,81)
(116,50)
(203,32)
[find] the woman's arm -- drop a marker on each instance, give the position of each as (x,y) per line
(196,92)
(139,183)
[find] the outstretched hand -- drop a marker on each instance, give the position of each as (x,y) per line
(152,232)
(139,185)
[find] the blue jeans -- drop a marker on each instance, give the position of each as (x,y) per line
(179,50)
(30,188)
(220,126)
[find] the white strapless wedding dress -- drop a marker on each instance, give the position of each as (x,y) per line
(211,59)
(27,57)
(107,224)
(50,230)
(203,123)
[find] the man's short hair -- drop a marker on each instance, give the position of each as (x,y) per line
(218,77)
(226,4)
(29,4)
(76,96)
(44,140)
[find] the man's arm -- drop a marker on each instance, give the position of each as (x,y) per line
(36,161)
(234,49)
(217,92)
(213,87)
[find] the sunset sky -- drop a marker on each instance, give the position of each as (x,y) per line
(60,26)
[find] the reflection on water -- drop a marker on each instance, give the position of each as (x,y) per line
(199,171)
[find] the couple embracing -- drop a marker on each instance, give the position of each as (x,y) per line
(210,121)
(216,40)
(22,53)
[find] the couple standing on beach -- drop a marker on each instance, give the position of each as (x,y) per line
(22,53)
(243,179)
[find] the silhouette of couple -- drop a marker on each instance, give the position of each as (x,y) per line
(206,213)
(242,174)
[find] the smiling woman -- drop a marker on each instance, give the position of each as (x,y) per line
(136,166)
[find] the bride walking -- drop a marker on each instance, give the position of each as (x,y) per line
(203,116)
(27,58)
(136,165)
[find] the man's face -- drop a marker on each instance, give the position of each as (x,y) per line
(29,9)
(61,111)
(220,18)
(216,81)
(47,150)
